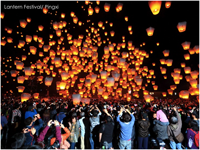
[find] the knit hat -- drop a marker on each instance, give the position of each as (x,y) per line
(174,120)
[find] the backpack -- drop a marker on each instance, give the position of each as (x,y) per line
(196,138)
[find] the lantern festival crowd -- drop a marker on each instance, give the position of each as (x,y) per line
(111,124)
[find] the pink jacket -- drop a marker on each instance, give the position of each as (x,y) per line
(161,116)
(43,133)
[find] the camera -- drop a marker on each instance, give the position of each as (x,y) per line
(56,144)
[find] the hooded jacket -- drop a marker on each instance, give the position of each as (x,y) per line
(60,116)
(161,131)
(143,126)
(176,128)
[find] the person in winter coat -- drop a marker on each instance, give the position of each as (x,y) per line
(61,115)
(32,129)
(175,127)
(74,129)
(31,112)
(191,132)
(143,133)
(161,132)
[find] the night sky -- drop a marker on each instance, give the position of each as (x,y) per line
(140,18)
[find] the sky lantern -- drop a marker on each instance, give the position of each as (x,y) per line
(162,61)
(155,87)
(170,91)
(150,31)
(182,26)
(90,11)
(164,94)
(76,99)
(75,20)
(62,15)
(112,33)
(20,79)
(138,81)
(172,87)
(186,45)
(19,65)
(184,94)
(119,7)
(28,38)
(45,10)
(33,50)
(187,56)
(62,85)
(187,70)
(21,89)
(36,95)
(163,70)
(23,23)
(64,76)
(40,28)
(107,7)
(110,81)
(169,62)
(25,97)
(155,6)
(194,74)
(13,73)
(97,9)
(147,98)
(193,83)
(48,81)
(2,15)
(166,53)
(167,4)
(176,76)
(176,81)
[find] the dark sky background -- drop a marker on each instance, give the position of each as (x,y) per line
(140,18)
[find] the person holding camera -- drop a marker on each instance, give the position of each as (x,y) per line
(125,128)
(32,129)
(58,138)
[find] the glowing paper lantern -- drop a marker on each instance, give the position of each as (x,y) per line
(97,9)
(150,31)
(25,97)
(166,53)
(76,99)
(36,95)
(33,50)
(107,7)
(21,89)
(23,23)
(90,11)
(110,81)
(103,74)
(64,75)
(28,71)
(186,45)
(48,81)
(187,56)
(187,70)
(193,83)
(169,62)
(163,70)
(2,15)
(62,85)
(194,74)
(164,94)
(13,73)
(182,26)
(184,94)
(19,65)
(20,79)
(155,87)
(155,6)
(167,4)
(147,98)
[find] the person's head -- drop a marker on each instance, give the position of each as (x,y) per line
(127,117)
(108,119)
(73,119)
(30,108)
(53,107)
(95,113)
(193,125)
(174,120)
(160,107)
(17,140)
(195,115)
(82,114)
(28,121)
(144,115)
(154,115)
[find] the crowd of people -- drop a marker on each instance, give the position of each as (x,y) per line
(102,124)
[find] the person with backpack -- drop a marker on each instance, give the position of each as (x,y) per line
(174,131)
(193,135)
